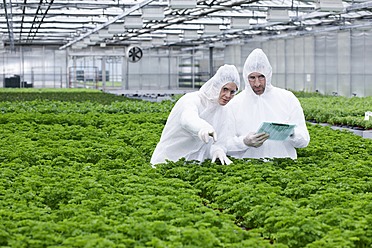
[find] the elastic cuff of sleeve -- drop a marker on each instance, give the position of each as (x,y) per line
(242,145)
(216,148)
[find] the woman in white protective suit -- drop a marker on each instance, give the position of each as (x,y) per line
(261,102)
(191,130)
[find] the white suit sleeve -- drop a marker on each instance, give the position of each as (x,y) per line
(300,137)
(235,143)
(229,139)
(190,119)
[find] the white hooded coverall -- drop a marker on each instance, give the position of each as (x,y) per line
(193,112)
(249,110)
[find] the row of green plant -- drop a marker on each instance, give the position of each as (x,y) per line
(63,95)
(337,110)
(77,174)
(84,180)
(322,199)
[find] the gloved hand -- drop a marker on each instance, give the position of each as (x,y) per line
(204,135)
(222,157)
(255,139)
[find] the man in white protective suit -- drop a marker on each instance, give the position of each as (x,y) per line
(192,127)
(259,102)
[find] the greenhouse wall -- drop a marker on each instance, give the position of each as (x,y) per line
(333,63)
(152,73)
(43,67)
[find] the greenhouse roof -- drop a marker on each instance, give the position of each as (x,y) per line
(152,23)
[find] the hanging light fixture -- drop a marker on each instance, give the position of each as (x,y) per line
(153,13)
(277,15)
(171,38)
(211,29)
(88,42)
(182,4)
(157,41)
(329,5)
(239,23)
(94,37)
(103,33)
(133,22)
(116,28)
(190,34)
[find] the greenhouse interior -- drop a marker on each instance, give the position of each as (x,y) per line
(313,45)
(88,89)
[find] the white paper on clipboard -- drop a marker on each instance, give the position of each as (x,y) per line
(277,131)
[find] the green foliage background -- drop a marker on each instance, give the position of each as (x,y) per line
(75,172)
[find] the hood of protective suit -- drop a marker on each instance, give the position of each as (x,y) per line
(225,74)
(257,61)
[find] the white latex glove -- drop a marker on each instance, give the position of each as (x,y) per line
(255,139)
(204,135)
(222,157)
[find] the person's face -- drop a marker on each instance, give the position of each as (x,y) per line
(257,82)
(227,93)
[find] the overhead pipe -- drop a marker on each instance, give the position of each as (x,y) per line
(30,34)
(357,6)
(9,23)
(185,18)
(125,13)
